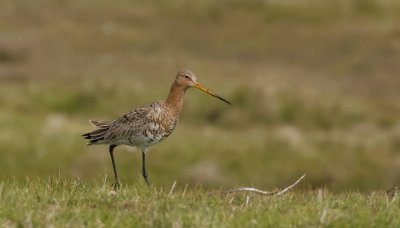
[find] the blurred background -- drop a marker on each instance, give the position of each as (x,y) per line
(315,86)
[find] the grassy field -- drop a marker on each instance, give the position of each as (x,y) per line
(70,202)
(315,88)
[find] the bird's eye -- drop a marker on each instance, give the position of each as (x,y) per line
(187,77)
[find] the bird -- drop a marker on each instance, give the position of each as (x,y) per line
(146,125)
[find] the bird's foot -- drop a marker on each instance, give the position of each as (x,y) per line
(116,185)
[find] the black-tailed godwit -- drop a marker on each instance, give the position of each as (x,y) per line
(146,125)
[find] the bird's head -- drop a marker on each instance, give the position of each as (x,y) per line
(187,79)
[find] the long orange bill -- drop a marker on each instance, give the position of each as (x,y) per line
(202,88)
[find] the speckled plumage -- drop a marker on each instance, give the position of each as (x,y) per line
(146,125)
(142,127)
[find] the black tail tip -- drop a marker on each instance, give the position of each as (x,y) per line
(86,136)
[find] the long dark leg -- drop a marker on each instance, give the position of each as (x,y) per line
(144,172)
(111,150)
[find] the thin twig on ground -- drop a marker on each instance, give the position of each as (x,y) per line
(255,190)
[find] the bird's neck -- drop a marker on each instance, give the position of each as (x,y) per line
(175,97)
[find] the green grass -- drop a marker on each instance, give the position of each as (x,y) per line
(71,202)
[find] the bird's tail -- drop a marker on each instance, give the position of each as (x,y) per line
(97,135)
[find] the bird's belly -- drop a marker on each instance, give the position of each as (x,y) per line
(146,139)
